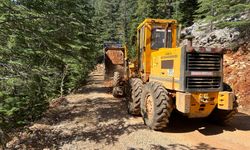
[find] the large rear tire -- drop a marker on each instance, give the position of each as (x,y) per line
(223,117)
(133,95)
(156,106)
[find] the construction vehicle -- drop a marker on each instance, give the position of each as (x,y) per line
(115,65)
(167,77)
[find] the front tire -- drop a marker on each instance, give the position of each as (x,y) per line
(133,95)
(156,106)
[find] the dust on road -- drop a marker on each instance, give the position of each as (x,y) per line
(92,119)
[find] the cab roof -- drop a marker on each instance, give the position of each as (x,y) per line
(160,21)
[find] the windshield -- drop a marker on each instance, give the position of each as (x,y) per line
(158,38)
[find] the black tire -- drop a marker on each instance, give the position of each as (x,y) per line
(162,106)
(116,79)
(115,92)
(223,117)
(118,91)
(133,96)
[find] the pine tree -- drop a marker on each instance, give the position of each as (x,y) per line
(46,49)
(111,20)
(188,8)
(222,11)
(128,7)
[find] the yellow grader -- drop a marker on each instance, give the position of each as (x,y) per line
(166,77)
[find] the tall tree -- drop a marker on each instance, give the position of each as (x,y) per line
(188,8)
(111,20)
(46,49)
(224,11)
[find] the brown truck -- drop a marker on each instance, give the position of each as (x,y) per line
(115,64)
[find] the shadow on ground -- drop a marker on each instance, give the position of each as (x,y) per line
(100,119)
(105,122)
(110,122)
(88,90)
(200,146)
(181,124)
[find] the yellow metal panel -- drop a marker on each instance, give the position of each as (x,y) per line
(174,36)
(172,54)
(166,83)
(200,107)
(160,21)
(202,104)
(225,100)
(148,51)
(183,102)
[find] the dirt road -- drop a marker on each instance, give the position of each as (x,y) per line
(93,119)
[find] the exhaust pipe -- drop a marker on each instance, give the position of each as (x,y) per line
(189,43)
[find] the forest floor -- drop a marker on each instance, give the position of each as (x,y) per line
(93,119)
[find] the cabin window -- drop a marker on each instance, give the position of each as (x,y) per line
(158,39)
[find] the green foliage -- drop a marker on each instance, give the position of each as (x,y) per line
(118,19)
(110,20)
(224,11)
(187,11)
(45,46)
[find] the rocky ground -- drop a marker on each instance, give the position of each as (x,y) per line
(236,74)
(92,119)
(207,35)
